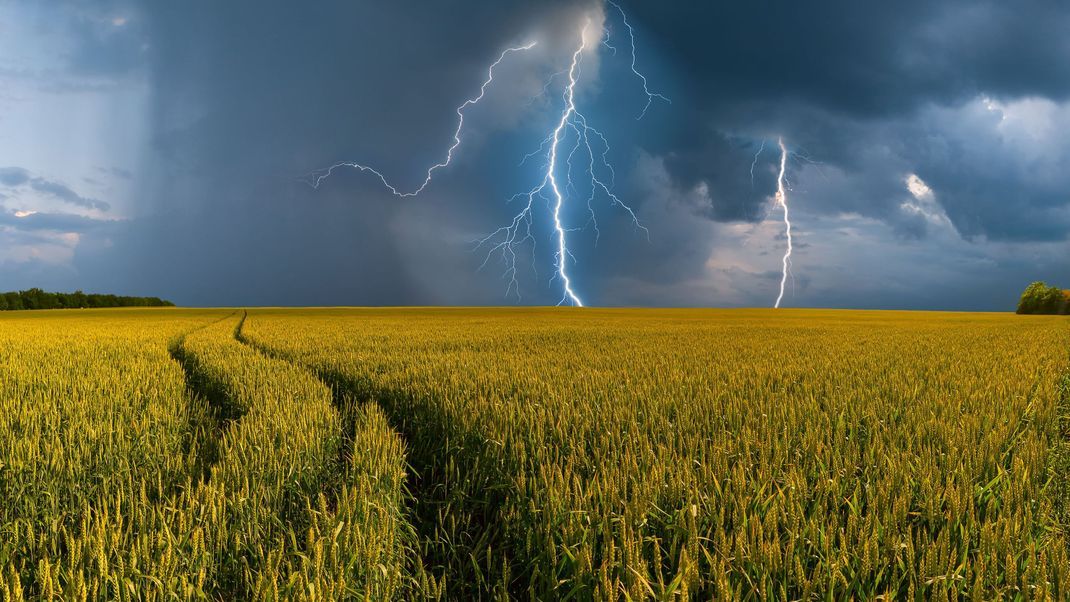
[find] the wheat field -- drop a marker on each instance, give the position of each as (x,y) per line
(321,454)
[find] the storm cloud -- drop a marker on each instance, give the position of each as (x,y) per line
(926,168)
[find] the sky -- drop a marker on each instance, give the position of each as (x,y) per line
(169,149)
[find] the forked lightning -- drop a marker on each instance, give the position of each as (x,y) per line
(319,175)
(571,137)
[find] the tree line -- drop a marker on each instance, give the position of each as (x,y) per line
(36,298)
(1039,298)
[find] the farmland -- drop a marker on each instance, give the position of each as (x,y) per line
(533,453)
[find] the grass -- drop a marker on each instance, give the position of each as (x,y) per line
(533,453)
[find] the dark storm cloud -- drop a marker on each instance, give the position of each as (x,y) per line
(15,177)
(864,58)
(733,193)
(999,205)
(247,97)
(847,81)
(22,275)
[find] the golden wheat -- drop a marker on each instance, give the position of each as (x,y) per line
(118,483)
(594,454)
(724,454)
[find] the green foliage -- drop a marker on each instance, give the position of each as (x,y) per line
(36,298)
(1039,298)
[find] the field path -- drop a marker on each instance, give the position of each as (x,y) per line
(458,486)
(368,496)
(340,400)
(207,421)
(735,454)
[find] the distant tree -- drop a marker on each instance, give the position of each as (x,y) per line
(1039,298)
(1052,301)
(31,299)
(36,298)
(1030,301)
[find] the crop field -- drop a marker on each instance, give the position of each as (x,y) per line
(321,454)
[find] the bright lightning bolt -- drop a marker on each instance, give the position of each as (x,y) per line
(322,174)
(782,200)
(573,128)
(523,219)
(570,109)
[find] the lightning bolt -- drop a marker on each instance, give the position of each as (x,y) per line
(650,96)
(754,163)
(559,199)
(573,135)
(554,187)
(318,176)
(782,200)
(549,180)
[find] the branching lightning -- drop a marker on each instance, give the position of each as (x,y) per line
(650,96)
(318,176)
(573,128)
(782,200)
(510,232)
(572,143)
